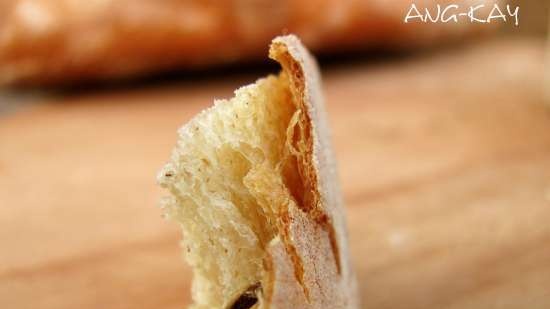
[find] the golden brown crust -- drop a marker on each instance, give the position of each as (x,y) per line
(309,266)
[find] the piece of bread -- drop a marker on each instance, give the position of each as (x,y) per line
(48,42)
(253,184)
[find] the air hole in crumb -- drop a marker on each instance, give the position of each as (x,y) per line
(248,298)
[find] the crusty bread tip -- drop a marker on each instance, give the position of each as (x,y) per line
(253,184)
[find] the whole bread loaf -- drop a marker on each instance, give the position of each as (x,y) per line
(69,41)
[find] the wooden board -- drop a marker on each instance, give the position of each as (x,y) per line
(444,161)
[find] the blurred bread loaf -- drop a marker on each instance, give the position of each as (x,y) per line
(68,41)
(252,182)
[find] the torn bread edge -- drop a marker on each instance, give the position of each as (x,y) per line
(306,264)
(317,271)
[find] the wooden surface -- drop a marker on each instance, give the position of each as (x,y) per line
(444,161)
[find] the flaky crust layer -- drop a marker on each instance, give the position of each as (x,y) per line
(316,272)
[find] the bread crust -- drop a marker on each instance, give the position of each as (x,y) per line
(316,233)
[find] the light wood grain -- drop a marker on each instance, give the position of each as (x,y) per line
(444,161)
